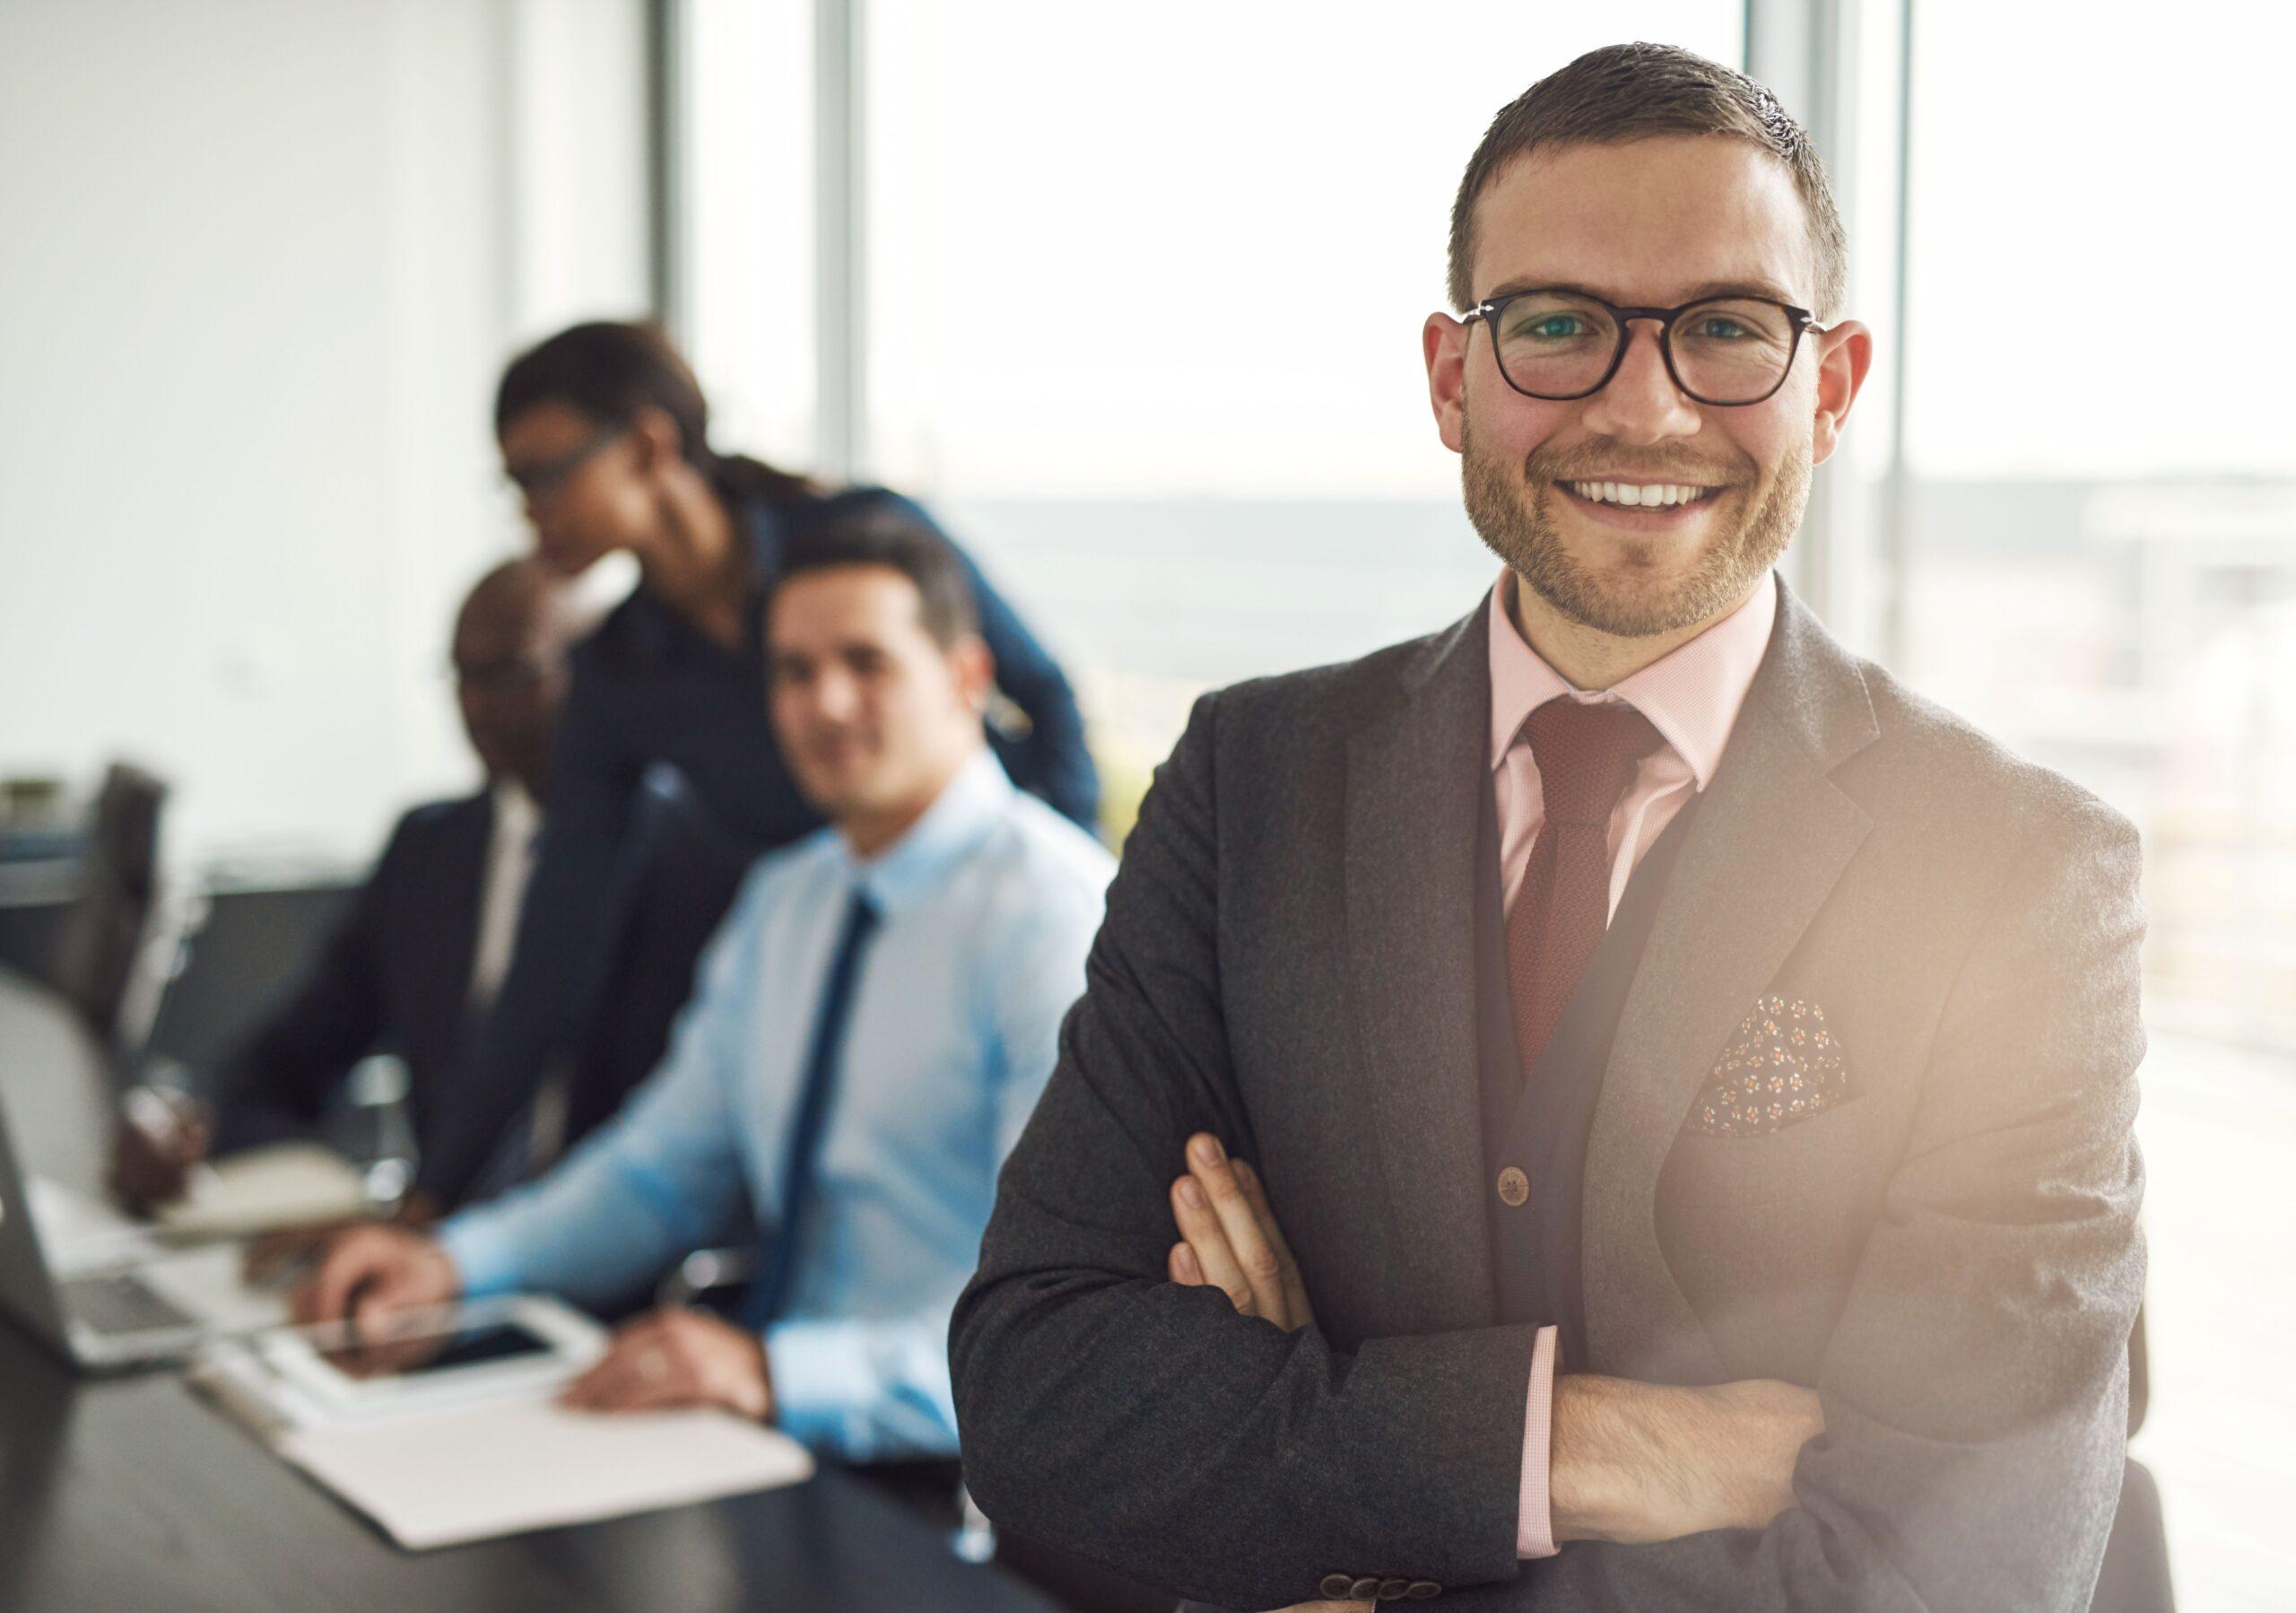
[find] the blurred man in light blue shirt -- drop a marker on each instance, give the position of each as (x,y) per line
(870,1029)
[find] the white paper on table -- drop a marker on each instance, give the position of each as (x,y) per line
(257,1189)
(505,1468)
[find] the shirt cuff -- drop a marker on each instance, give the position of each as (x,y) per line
(1534,1514)
(822,1384)
(483,1254)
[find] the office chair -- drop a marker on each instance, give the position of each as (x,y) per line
(2135,1578)
(116,944)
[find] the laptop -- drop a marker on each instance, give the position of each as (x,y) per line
(105,1292)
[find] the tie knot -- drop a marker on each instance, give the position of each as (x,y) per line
(1586,756)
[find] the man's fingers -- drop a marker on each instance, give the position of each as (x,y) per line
(611,1380)
(645,1369)
(1295,1291)
(1208,1163)
(1184,1269)
(1201,1226)
(343,1267)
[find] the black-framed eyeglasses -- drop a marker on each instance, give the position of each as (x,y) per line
(546,476)
(1557,343)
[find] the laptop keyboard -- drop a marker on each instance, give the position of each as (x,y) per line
(120,1305)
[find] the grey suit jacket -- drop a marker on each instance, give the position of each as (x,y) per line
(1949,1258)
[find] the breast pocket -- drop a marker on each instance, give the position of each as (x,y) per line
(1834,1145)
(1764,1233)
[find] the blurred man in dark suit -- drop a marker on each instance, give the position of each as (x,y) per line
(415,964)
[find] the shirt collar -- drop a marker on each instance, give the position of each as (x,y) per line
(516,815)
(904,873)
(1691,695)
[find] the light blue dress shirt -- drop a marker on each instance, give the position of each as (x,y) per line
(988,907)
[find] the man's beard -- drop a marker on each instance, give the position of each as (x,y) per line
(1512,507)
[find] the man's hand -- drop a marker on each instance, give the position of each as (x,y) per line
(678,1357)
(1229,1238)
(371,1271)
(1640,1463)
(161,1134)
(273,1258)
(1628,1462)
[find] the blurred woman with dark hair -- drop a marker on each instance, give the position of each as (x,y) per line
(606,433)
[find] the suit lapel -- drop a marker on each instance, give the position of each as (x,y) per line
(454,892)
(1413,782)
(1772,837)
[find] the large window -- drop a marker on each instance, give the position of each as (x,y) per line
(2099,523)
(1144,310)
(1143,307)
(744,292)
(2101,457)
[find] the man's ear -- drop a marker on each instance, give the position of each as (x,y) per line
(1443,342)
(975,669)
(654,439)
(1845,355)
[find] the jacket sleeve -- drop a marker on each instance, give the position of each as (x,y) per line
(561,933)
(278,1084)
(1975,1388)
(1149,1426)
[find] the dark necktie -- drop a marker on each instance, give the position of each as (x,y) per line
(1586,756)
(822,1056)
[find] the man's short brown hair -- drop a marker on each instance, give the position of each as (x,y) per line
(882,534)
(1624,92)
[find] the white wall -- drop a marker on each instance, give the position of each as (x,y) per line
(259,263)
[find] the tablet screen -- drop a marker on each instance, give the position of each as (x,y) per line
(410,1357)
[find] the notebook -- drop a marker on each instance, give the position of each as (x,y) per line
(484,1451)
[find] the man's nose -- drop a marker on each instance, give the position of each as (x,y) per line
(834,696)
(1641,405)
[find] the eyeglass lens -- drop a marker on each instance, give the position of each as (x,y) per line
(1730,350)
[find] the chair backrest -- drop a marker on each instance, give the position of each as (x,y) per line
(106,962)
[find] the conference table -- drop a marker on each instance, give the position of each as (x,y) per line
(132,1493)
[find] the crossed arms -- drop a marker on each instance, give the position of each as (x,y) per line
(1972,1400)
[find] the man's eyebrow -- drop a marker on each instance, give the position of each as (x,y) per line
(1743,288)
(1763,288)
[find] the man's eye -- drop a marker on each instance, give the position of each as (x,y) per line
(1718,328)
(1551,327)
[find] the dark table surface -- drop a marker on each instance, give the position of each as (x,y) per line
(132,1493)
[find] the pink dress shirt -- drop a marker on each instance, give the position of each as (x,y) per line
(1692,696)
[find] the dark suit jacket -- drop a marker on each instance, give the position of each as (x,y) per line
(1951,1256)
(393,977)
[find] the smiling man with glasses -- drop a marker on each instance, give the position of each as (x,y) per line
(1619,1103)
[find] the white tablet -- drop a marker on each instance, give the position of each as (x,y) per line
(434,1358)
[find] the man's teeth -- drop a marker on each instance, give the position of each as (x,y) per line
(1633,494)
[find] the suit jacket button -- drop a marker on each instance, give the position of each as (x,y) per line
(1364,1590)
(1335,1587)
(1394,1591)
(1421,1589)
(1514,1188)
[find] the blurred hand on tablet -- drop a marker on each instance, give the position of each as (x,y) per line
(160,1136)
(371,1271)
(278,1258)
(678,1357)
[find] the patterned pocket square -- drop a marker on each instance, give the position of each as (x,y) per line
(1783,1067)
